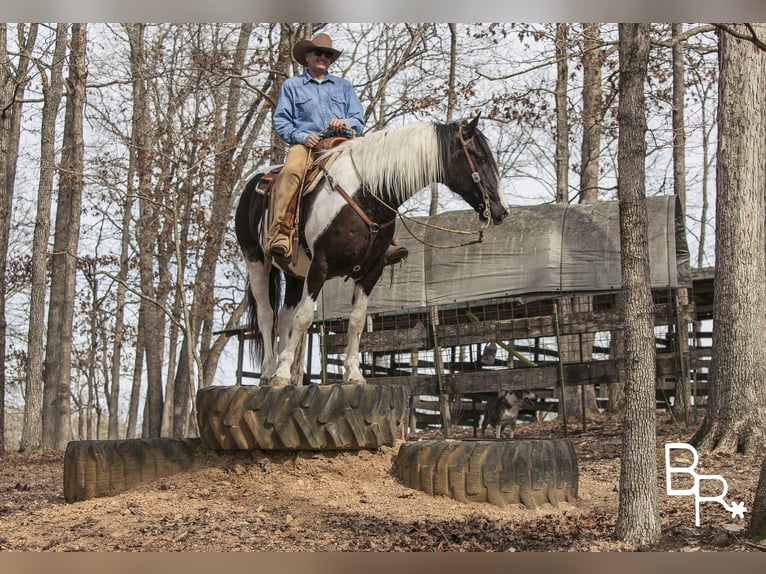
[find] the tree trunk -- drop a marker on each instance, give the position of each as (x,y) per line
(562,115)
(592,61)
(57,429)
(12,88)
(757,526)
(682,407)
(147,229)
(578,348)
(433,207)
(705,195)
(638,520)
(282,66)
(6,96)
(615,392)
(135,390)
(211,360)
(122,277)
(32,431)
(735,420)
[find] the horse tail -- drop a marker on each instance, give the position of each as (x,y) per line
(256,338)
(275,299)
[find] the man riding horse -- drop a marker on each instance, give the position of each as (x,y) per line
(312,106)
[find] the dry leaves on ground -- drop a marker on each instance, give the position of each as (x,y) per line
(352,501)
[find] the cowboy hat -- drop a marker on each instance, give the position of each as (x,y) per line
(321,42)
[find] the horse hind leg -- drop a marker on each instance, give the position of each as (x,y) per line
(351,372)
(259,276)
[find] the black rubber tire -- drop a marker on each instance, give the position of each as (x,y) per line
(94,468)
(501,472)
(311,417)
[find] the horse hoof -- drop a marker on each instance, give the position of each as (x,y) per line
(361,381)
(278,381)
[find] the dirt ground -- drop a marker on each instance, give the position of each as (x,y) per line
(352,501)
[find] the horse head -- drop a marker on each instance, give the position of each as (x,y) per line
(471,171)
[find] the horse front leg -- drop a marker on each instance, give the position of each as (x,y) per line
(351,372)
(302,319)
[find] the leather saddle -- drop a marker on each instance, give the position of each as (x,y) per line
(310,180)
(266,183)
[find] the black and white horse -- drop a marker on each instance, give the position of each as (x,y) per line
(347,223)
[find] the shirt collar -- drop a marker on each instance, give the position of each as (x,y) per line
(308,79)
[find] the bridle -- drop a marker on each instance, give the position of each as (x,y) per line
(474,173)
(374,227)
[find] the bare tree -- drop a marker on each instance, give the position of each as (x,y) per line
(433,208)
(562,114)
(638,520)
(578,348)
(147,231)
(13,81)
(31,435)
(57,382)
(735,420)
(592,61)
(682,407)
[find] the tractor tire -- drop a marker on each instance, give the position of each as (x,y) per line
(500,472)
(94,468)
(311,417)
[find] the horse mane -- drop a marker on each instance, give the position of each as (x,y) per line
(394,162)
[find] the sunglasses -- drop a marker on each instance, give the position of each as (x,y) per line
(326,53)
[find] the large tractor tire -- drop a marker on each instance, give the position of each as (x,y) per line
(311,417)
(501,472)
(94,468)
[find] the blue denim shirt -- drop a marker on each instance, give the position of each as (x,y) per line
(306,106)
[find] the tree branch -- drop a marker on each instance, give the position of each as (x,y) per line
(753,37)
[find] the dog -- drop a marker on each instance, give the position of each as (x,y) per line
(503,410)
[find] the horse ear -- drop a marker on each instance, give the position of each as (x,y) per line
(471,127)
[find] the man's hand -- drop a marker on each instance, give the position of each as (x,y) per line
(337,125)
(312,141)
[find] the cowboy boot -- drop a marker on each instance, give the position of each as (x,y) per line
(278,243)
(287,183)
(394,254)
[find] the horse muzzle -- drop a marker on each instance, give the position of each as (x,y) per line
(497,215)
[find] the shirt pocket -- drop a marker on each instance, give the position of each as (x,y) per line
(304,108)
(338,105)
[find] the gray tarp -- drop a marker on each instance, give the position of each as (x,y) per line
(538,249)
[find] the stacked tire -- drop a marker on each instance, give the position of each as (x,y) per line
(94,468)
(311,417)
(501,472)
(332,417)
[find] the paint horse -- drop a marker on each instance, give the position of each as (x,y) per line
(346,224)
